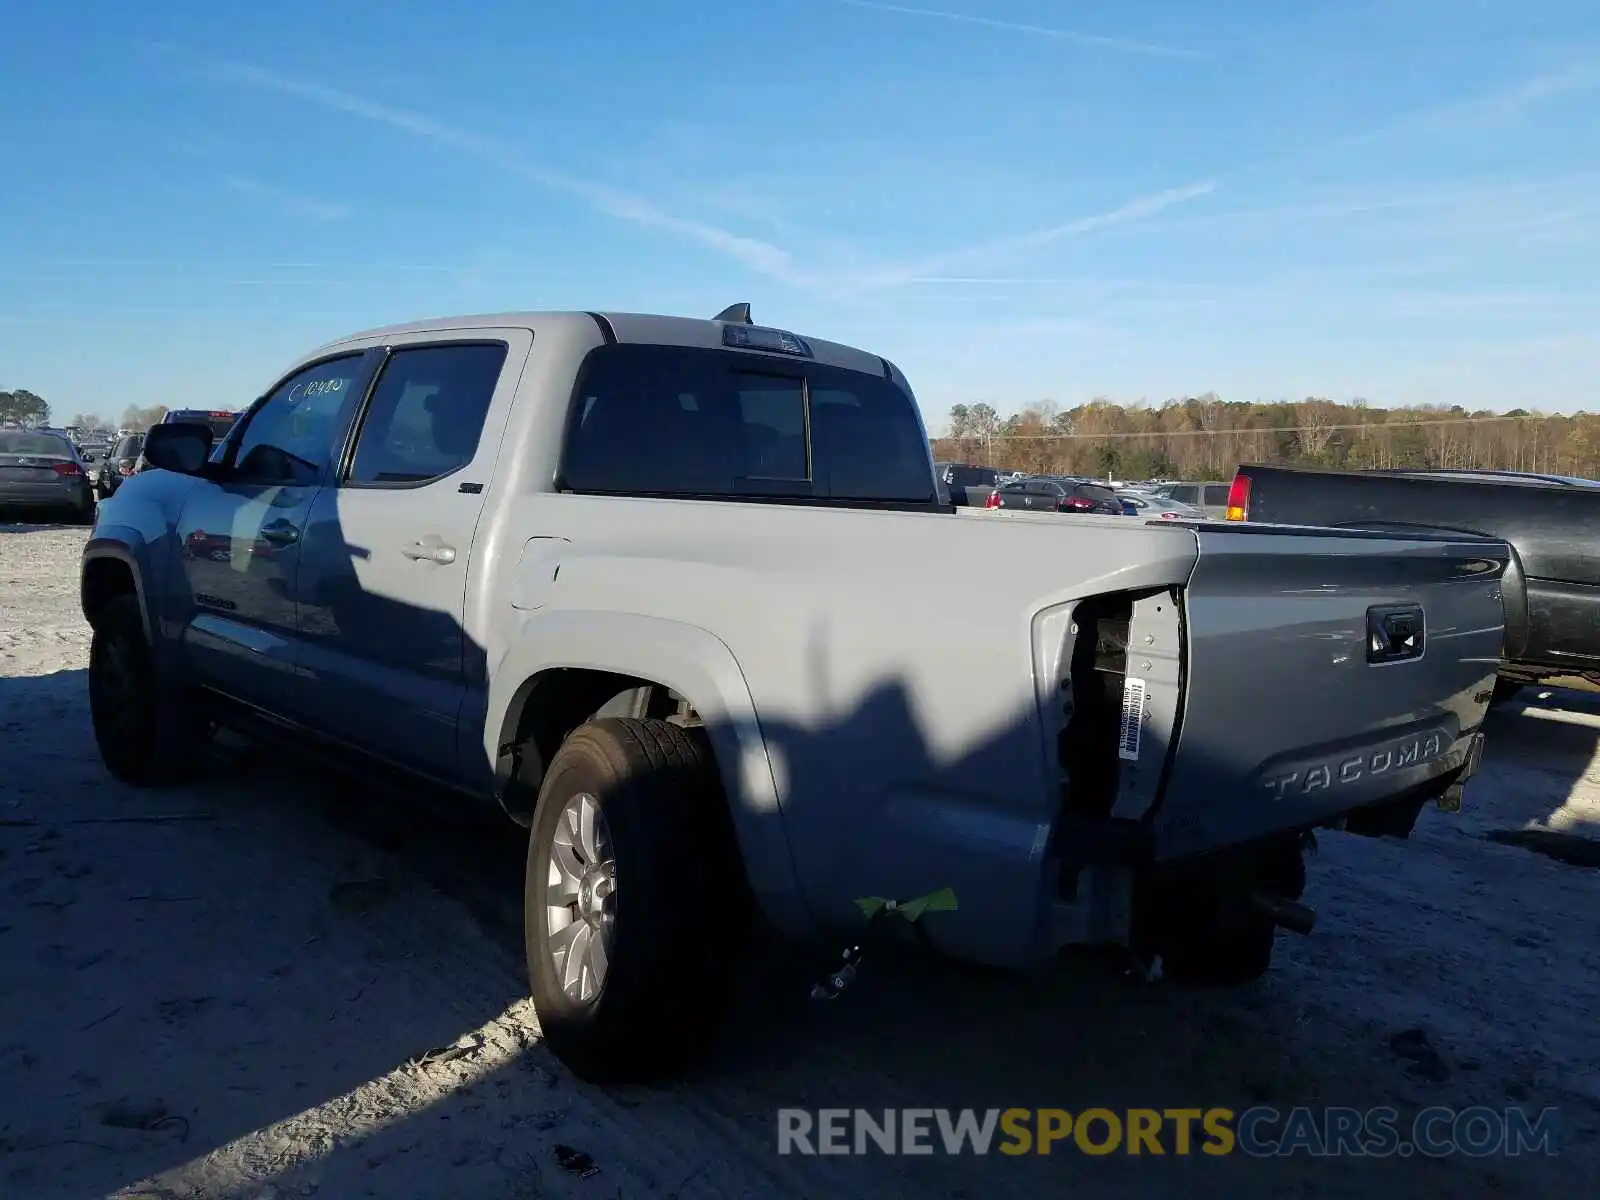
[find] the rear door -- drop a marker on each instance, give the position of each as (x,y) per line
(1043,495)
(1325,670)
(389,546)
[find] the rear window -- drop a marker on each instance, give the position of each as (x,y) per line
(1093,492)
(687,421)
(1184,493)
(42,444)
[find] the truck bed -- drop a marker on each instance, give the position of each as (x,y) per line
(975,740)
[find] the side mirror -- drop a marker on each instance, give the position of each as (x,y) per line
(181,447)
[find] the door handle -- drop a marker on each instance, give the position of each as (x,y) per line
(280,533)
(430,549)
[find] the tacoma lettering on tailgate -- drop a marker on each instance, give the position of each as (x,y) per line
(1352,768)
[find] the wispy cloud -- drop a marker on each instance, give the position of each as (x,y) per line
(1501,107)
(305,207)
(1122,45)
(1507,105)
(947,266)
(759,256)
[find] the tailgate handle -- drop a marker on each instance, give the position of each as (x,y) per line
(1394,633)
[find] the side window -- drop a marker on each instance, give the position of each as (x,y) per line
(1216,493)
(290,438)
(427,412)
(1185,493)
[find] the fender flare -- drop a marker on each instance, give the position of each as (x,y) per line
(119,543)
(698,665)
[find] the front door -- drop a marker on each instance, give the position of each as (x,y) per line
(389,546)
(239,535)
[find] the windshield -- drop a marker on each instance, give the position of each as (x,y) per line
(42,444)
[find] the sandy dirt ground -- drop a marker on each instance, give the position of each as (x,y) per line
(278,985)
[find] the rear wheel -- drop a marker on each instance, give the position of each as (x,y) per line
(149,732)
(1202,924)
(1395,820)
(634,901)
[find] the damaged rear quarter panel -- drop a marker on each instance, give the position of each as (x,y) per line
(891,664)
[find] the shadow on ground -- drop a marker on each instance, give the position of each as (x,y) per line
(1543,767)
(347,939)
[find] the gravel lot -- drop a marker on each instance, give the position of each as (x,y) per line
(237,994)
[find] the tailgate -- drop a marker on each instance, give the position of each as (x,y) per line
(1325,670)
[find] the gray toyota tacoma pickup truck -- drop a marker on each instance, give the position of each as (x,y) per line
(659,588)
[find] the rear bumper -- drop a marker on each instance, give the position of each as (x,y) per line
(72,494)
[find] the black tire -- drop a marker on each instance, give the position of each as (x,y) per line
(1217,958)
(1395,820)
(1205,931)
(84,515)
(149,732)
(680,902)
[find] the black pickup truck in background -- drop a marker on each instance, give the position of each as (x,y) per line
(1552,523)
(966,484)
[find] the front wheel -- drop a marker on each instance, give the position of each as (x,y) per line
(634,901)
(149,732)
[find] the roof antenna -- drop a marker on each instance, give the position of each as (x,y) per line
(739,314)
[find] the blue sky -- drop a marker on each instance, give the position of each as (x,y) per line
(1023,200)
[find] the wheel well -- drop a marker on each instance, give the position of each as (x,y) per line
(549,706)
(105,580)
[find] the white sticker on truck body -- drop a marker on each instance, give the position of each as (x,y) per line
(1133,693)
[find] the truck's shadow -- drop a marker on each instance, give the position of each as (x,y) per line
(1541,774)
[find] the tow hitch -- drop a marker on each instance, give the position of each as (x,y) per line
(1284,912)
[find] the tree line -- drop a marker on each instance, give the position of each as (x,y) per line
(1206,437)
(22,409)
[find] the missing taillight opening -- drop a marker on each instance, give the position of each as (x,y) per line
(1087,744)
